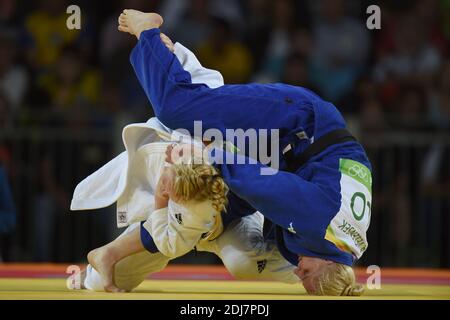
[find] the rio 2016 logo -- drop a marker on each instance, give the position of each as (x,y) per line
(357,171)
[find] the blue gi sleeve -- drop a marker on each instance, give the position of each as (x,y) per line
(285,198)
(7,208)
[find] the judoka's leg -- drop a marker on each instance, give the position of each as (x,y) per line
(177,102)
(247,255)
(284,197)
(103,259)
(130,271)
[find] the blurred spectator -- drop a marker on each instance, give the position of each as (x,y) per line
(11,23)
(302,43)
(193,25)
(111,105)
(187,21)
(444,21)
(414,59)
(257,29)
(47,27)
(225,54)
(427,13)
(434,179)
(365,89)
(410,109)
(13,77)
(71,81)
(5,126)
(117,74)
(372,118)
(439,99)
(340,49)
(295,72)
(8,8)
(120,90)
(51,200)
(278,45)
(400,222)
(7,208)
(9,18)
(111,40)
(6,121)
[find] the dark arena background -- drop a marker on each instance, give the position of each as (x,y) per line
(65,96)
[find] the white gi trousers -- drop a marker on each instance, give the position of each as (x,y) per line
(242,248)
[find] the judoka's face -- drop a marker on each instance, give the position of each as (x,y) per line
(165,184)
(309,269)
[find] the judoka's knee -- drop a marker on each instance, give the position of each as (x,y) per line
(242,267)
(133,270)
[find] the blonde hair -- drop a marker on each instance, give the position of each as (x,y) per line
(200,182)
(338,280)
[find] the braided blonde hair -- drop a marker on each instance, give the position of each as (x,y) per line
(338,280)
(200,182)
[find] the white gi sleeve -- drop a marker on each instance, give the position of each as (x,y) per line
(176,230)
(199,74)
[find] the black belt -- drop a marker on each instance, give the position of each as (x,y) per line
(293,162)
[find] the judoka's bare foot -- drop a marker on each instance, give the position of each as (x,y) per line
(103,261)
(135,22)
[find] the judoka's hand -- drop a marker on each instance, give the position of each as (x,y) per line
(169,152)
(167,42)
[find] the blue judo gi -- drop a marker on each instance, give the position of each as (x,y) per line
(302,203)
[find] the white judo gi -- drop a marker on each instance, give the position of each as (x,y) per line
(130,180)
